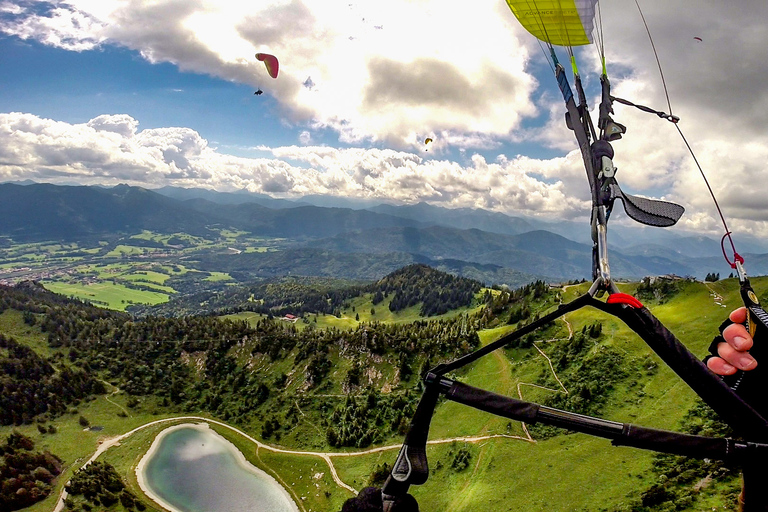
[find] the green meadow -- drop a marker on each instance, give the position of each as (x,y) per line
(131,270)
(361,309)
(511,470)
(108,294)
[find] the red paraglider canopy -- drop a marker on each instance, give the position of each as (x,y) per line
(271,62)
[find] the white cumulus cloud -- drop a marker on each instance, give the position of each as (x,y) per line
(111,149)
(388,71)
(385,75)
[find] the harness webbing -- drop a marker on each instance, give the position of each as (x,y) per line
(578,303)
(411,466)
(621,434)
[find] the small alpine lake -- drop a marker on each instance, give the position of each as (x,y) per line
(191,468)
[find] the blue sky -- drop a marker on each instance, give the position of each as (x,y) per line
(161,93)
(78,86)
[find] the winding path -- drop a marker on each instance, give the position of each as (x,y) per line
(116,391)
(326,456)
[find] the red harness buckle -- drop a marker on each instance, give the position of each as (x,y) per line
(624,298)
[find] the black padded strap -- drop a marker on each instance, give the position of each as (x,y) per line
(575,304)
(733,409)
(411,466)
(621,434)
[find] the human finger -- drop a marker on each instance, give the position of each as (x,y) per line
(737,358)
(736,336)
(739,315)
(720,367)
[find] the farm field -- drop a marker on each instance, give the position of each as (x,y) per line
(144,268)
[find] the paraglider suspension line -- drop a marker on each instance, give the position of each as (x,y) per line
(655,54)
(736,257)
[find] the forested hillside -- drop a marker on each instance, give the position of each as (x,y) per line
(26,474)
(317,388)
(437,293)
(202,363)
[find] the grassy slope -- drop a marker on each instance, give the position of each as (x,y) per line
(110,295)
(567,472)
(359,307)
(570,472)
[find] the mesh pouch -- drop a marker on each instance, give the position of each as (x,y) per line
(651,212)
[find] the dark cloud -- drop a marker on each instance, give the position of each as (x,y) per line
(434,83)
(279,25)
(157,30)
(722,76)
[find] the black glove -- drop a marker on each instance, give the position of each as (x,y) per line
(750,385)
(369,500)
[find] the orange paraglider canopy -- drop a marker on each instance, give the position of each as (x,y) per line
(271,62)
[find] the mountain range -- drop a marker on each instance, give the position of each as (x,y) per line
(359,243)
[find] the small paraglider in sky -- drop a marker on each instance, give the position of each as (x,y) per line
(698,39)
(270,61)
(273,66)
(426,143)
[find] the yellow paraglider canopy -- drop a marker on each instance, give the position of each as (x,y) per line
(557,22)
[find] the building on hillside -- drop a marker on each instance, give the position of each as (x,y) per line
(665,277)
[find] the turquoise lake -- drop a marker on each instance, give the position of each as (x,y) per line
(196,470)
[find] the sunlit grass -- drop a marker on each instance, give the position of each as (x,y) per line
(218,276)
(566,472)
(107,294)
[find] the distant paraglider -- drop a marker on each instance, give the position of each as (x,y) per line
(426,143)
(270,61)
(273,66)
(699,39)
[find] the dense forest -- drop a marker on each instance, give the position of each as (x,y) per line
(98,484)
(25,475)
(151,357)
(30,386)
(358,386)
(437,292)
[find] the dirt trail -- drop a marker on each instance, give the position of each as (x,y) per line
(116,391)
(562,389)
(105,444)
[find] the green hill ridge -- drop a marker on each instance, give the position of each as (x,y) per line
(306,387)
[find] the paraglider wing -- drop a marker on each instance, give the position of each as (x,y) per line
(271,62)
(698,39)
(557,22)
(427,140)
